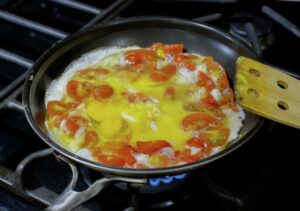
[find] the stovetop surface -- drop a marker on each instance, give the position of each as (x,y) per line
(260,175)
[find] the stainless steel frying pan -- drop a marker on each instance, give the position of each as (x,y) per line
(196,37)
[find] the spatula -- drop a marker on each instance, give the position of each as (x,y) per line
(267,92)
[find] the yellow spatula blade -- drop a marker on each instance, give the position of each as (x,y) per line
(267,92)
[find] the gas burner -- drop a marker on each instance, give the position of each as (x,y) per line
(263,28)
(160,184)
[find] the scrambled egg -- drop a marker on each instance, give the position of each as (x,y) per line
(135,108)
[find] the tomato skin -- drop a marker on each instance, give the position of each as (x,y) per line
(204,80)
(159,76)
(150,147)
(56,107)
(197,121)
(103,92)
(78,90)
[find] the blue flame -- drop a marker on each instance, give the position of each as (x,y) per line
(165,180)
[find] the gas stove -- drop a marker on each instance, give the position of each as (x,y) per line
(261,175)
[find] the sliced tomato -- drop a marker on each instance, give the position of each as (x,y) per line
(173,48)
(167,49)
(73,123)
(90,139)
(197,121)
(205,81)
(78,90)
(169,70)
(111,160)
(186,61)
(170,92)
(187,156)
(159,76)
(56,108)
(92,73)
(182,156)
(217,136)
(127,152)
(202,143)
(57,119)
(117,154)
(210,101)
(150,147)
(103,92)
(139,55)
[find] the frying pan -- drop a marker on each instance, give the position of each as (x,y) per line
(142,31)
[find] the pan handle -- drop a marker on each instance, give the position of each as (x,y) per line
(69,198)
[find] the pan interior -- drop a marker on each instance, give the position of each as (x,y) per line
(195,37)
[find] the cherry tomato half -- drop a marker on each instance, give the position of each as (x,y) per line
(103,92)
(150,147)
(217,136)
(197,121)
(73,123)
(78,90)
(56,107)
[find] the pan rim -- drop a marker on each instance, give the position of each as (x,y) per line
(128,171)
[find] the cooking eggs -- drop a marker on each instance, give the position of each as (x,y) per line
(143,107)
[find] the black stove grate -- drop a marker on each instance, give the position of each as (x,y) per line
(261,175)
